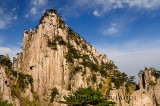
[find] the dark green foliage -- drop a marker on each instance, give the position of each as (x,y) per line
(4,103)
(137,86)
(74,36)
(6,62)
(85,63)
(52,11)
(124,77)
(109,89)
(60,40)
(85,57)
(46,14)
(24,80)
(69,87)
(131,79)
(61,23)
(85,97)
(152,83)
(94,78)
(14,73)
(110,66)
(72,53)
(77,68)
(52,44)
(54,92)
(100,85)
(119,78)
(127,87)
(71,33)
(155,72)
(84,46)
(84,72)
(94,67)
(95,59)
(103,73)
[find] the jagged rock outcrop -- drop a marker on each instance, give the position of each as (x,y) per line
(44,56)
(5,91)
(54,56)
(149,93)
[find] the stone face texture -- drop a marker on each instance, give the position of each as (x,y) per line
(5,91)
(142,98)
(49,67)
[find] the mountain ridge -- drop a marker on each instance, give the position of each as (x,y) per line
(54,56)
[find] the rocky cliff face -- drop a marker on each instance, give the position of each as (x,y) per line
(149,93)
(56,56)
(5,92)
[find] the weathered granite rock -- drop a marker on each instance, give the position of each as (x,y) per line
(48,67)
(5,91)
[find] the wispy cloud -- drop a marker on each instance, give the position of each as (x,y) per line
(95,13)
(11,51)
(33,10)
(7,16)
(111,30)
(103,6)
(116,26)
(37,6)
(133,55)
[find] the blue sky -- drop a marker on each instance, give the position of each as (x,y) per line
(128,31)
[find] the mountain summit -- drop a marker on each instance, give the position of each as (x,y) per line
(57,61)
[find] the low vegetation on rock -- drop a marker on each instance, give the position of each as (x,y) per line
(86,97)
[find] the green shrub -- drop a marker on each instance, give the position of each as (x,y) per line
(62,42)
(54,92)
(52,44)
(155,72)
(84,46)
(103,73)
(84,72)
(85,57)
(94,78)
(69,87)
(77,68)
(100,85)
(86,97)
(152,83)
(72,53)
(61,23)
(94,67)
(24,81)
(127,87)
(4,103)
(6,62)
(110,66)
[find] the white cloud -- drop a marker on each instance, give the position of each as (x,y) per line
(95,13)
(2,24)
(39,2)
(12,51)
(132,56)
(110,31)
(6,17)
(26,15)
(15,17)
(103,6)
(36,7)
(33,10)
